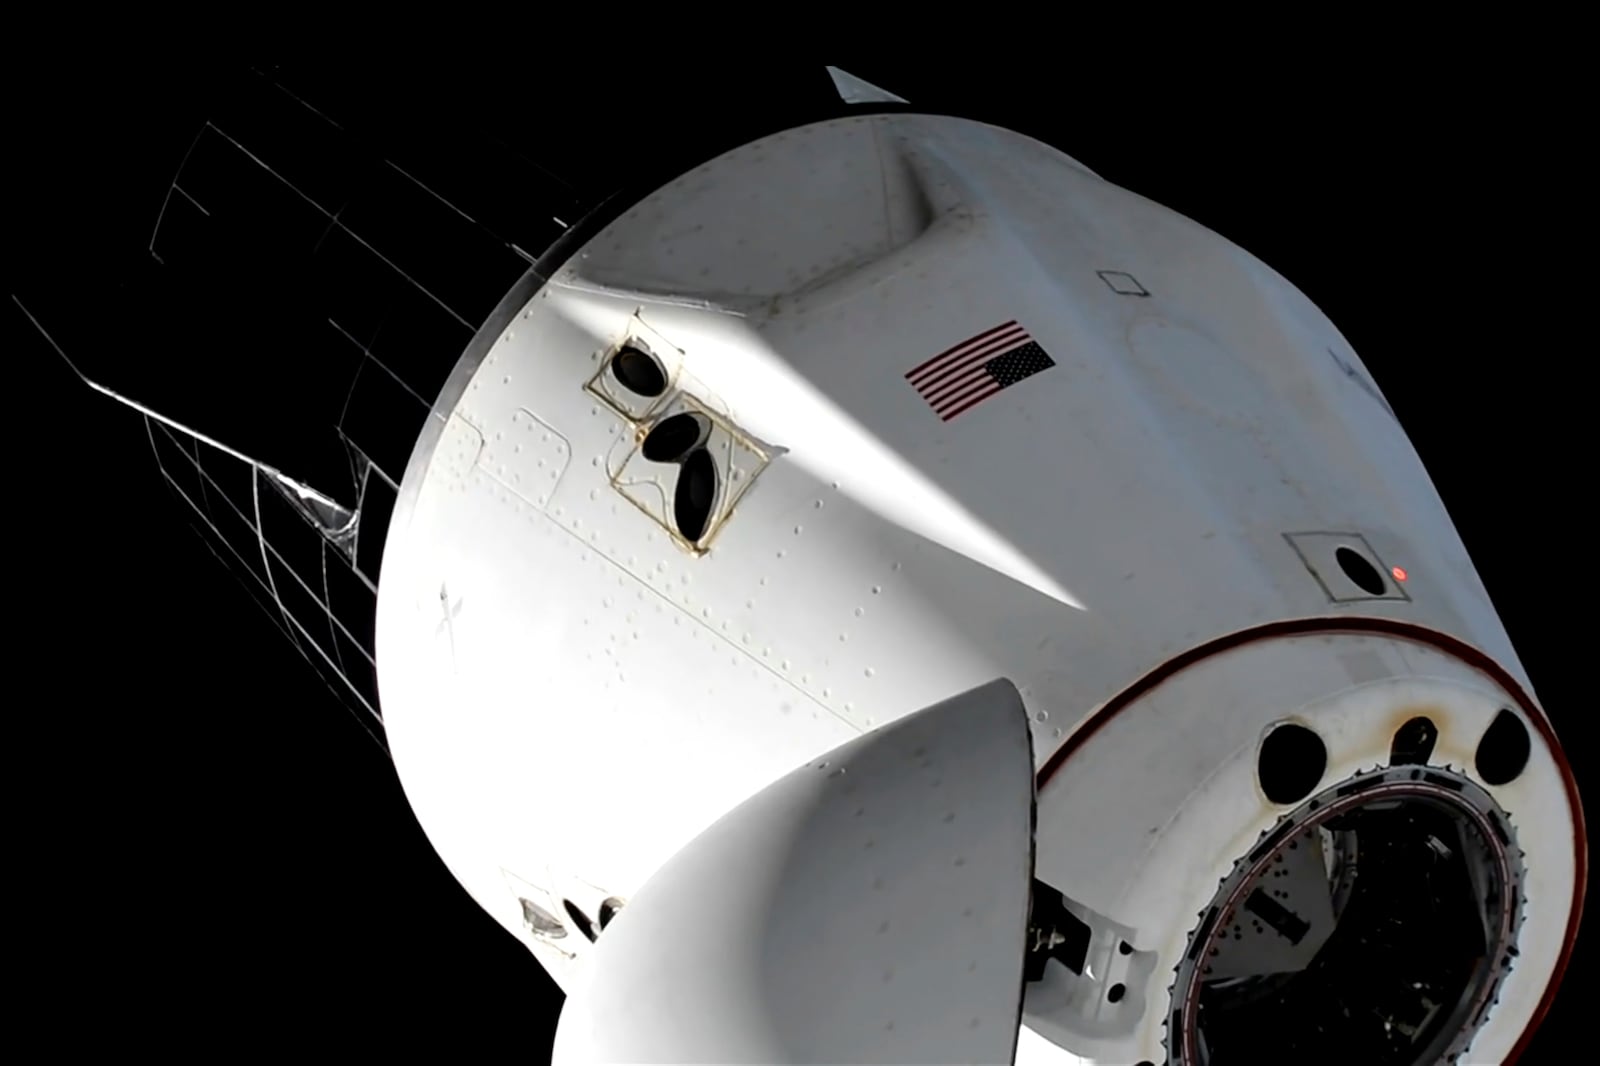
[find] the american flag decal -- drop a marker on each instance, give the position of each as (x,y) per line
(956,380)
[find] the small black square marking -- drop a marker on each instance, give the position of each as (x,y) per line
(1122,282)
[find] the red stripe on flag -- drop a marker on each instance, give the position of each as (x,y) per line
(958,378)
(921,371)
(946,414)
(983,384)
(972,359)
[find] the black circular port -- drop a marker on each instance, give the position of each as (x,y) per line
(695,495)
(1116,992)
(1358,570)
(1291,763)
(672,438)
(1413,742)
(1503,752)
(639,372)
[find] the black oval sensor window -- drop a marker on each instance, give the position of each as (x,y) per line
(1358,570)
(695,495)
(1503,752)
(1291,763)
(579,919)
(672,438)
(638,371)
(608,910)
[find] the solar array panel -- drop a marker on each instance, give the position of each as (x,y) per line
(361,285)
(327,247)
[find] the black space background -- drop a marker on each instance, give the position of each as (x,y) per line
(209,855)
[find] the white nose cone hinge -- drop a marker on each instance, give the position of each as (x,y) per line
(871,906)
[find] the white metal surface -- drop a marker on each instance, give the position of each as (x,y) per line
(868,907)
(572,697)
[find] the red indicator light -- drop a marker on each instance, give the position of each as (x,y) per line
(1399,573)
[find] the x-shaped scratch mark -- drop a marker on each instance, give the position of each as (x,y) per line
(1361,382)
(449,612)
